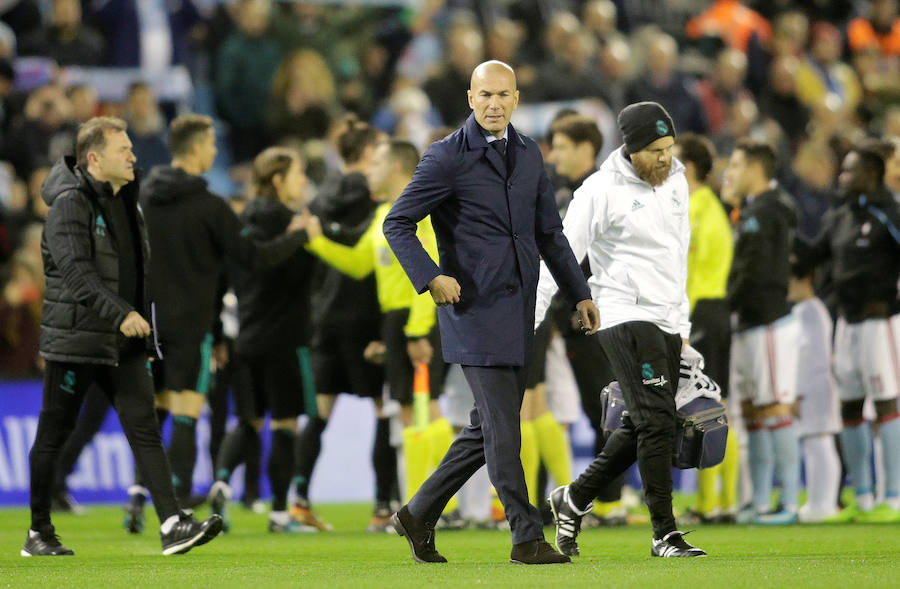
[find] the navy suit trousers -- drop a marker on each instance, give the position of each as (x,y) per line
(493,436)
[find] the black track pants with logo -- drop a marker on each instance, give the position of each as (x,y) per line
(645,361)
(129,388)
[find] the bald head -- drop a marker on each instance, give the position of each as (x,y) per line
(491,69)
(493,96)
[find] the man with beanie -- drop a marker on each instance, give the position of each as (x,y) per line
(631,219)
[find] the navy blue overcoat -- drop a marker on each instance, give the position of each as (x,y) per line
(492,230)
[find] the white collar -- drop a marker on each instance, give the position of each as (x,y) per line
(490,137)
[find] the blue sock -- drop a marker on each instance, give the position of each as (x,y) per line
(856,444)
(786,450)
(889,432)
(762,467)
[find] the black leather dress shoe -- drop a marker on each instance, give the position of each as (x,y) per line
(419,535)
(537,552)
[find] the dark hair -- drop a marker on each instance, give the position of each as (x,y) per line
(697,150)
(271,161)
(405,153)
(186,130)
(884,147)
(92,137)
(872,160)
(138,85)
(71,90)
(579,129)
(759,152)
(354,138)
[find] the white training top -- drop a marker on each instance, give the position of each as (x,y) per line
(636,237)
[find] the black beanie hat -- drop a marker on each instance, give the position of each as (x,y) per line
(642,123)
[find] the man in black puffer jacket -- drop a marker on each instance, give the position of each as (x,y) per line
(192,232)
(95,256)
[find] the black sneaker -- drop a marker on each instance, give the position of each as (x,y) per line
(191,501)
(452,521)
(219,494)
(44,543)
(188,533)
(673,545)
(134,513)
(568,521)
(63,502)
(419,535)
(537,552)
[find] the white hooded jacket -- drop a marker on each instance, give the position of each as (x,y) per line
(636,237)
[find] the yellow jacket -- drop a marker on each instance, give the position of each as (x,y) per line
(372,253)
(712,247)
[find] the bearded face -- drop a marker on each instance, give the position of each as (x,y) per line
(653,163)
(650,170)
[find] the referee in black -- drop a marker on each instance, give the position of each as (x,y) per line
(95,255)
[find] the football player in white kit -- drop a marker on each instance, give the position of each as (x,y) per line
(764,345)
(817,397)
(861,237)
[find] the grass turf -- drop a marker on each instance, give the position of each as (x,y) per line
(855,555)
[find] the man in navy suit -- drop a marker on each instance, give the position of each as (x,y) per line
(495,217)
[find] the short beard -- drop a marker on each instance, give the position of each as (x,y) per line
(651,174)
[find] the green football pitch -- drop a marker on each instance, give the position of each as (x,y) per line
(855,556)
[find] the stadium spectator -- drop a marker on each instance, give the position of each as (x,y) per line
(718,92)
(43,134)
(789,39)
(662,83)
(303,100)
(615,59)
(732,22)
(408,115)
(7,84)
(892,166)
(779,101)
(245,68)
(83,99)
(146,126)
(504,42)
(670,17)
(149,35)
(880,29)
(599,17)
(66,40)
(93,197)
(20,296)
(822,79)
(23,16)
(574,73)
(465,49)
(809,181)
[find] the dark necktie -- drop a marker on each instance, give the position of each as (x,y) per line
(500,146)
